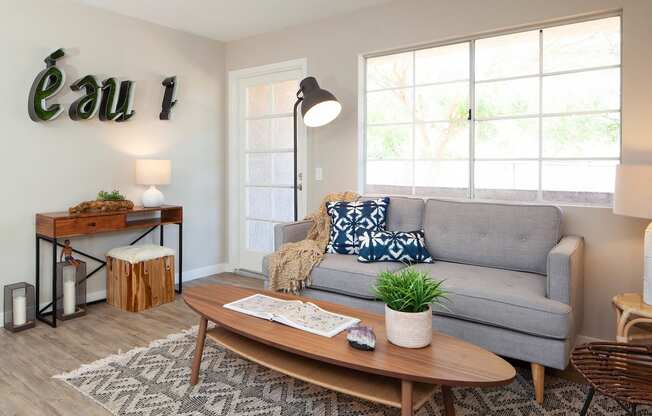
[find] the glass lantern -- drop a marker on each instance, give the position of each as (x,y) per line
(71,290)
(19,307)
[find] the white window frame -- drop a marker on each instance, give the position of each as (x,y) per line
(362,101)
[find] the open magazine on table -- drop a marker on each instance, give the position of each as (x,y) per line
(305,316)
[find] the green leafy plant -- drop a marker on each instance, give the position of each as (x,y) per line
(409,290)
(110,196)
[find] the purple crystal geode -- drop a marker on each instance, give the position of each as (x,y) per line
(361,337)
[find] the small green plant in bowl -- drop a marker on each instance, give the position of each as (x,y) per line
(408,295)
(409,290)
(110,196)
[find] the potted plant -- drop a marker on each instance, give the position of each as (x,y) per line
(408,295)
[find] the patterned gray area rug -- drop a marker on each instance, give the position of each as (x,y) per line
(154,381)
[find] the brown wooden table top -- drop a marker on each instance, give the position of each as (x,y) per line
(447,361)
(136,210)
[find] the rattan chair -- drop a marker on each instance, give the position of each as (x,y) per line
(620,371)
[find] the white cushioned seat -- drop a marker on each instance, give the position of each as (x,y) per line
(137,254)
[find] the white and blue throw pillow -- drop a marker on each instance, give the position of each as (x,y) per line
(403,246)
(350,219)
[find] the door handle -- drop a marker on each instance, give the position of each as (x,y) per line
(300,181)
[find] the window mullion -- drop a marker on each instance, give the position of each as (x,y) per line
(471,192)
(540,163)
(414,119)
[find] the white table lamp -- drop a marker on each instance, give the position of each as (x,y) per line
(633,198)
(152,172)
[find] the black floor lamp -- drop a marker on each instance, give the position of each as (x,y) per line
(318,108)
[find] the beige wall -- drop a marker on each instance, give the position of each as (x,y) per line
(50,166)
(332,47)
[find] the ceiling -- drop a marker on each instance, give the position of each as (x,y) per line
(227,20)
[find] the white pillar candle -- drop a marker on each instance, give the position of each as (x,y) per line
(20,310)
(69,291)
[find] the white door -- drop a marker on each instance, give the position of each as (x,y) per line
(264,140)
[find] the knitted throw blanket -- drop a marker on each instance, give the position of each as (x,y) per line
(289,268)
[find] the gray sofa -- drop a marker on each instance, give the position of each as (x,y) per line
(515,282)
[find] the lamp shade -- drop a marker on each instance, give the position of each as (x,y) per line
(319,107)
(633,196)
(153,172)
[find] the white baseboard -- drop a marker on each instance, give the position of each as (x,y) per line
(188,275)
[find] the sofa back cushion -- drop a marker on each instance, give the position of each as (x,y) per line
(404,214)
(507,236)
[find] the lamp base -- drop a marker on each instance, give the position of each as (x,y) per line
(647,266)
(152,197)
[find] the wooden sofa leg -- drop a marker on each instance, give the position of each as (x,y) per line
(538,377)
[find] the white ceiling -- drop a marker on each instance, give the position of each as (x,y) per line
(227,20)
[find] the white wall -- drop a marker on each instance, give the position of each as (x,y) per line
(50,166)
(332,47)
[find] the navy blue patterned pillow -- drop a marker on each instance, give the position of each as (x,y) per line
(403,246)
(350,219)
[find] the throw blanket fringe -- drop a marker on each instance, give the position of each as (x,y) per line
(289,268)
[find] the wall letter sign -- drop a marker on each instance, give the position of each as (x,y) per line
(86,107)
(112,102)
(47,84)
(116,108)
(170,85)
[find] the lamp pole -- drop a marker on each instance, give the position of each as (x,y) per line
(318,107)
(296,184)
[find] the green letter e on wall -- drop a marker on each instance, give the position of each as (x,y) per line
(47,84)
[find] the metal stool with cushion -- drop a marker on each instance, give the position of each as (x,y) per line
(620,371)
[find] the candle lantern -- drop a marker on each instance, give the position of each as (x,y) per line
(19,307)
(71,290)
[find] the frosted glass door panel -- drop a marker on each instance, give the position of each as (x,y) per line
(266,165)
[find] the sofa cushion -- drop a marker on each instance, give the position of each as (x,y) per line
(403,214)
(402,246)
(341,273)
(515,237)
(503,298)
(350,219)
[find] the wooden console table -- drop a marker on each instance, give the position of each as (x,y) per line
(55,226)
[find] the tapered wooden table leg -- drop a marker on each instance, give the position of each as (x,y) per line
(199,350)
(406,398)
(447,394)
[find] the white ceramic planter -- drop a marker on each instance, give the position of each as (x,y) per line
(408,330)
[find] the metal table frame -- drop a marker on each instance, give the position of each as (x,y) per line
(41,313)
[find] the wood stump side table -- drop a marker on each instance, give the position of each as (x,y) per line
(139,277)
(631,311)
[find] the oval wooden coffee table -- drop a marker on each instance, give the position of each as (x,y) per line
(394,376)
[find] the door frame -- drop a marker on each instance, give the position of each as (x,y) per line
(233,160)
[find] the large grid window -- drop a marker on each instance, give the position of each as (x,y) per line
(529,116)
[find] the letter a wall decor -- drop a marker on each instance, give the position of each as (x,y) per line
(113,100)
(86,107)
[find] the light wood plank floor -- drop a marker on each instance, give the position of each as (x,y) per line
(29,359)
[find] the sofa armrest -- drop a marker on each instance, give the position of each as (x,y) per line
(566,272)
(290,232)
